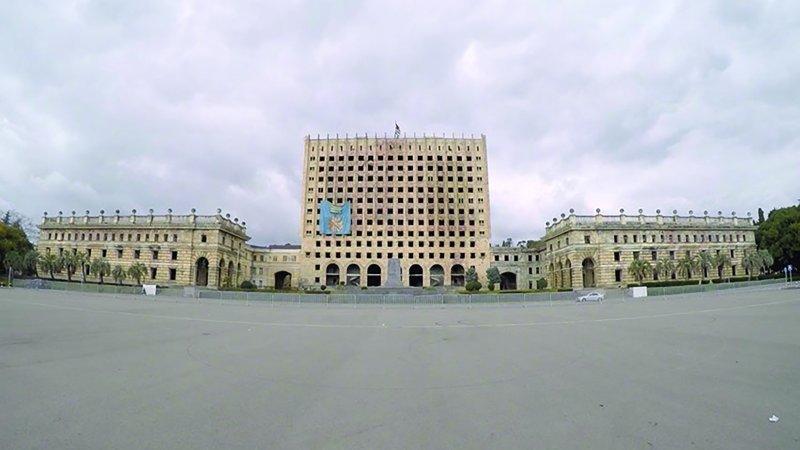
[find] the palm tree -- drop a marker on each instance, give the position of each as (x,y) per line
(50,263)
(101,267)
(12,261)
(30,261)
(749,262)
(704,261)
(119,274)
(68,261)
(721,260)
(765,259)
(756,261)
(665,267)
(685,266)
(639,268)
(81,260)
(137,271)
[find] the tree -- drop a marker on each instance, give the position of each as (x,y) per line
(119,274)
(472,279)
(101,268)
(665,267)
(756,261)
(137,271)
(765,260)
(471,274)
(12,262)
(492,277)
(81,260)
(12,239)
(639,268)
(704,261)
(721,260)
(50,264)
(780,235)
(13,219)
(507,242)
(68,261)
(30,262)
(685,266)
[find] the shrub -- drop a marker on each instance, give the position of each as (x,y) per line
(247,284)
(323,287)
(541,283)
(474,286)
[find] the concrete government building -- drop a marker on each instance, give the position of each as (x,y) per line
(396,212)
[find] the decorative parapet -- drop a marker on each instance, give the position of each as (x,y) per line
(149,220)
(634,221)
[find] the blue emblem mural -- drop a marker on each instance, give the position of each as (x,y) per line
(334,219)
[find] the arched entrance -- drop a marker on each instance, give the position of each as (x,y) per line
(374,275)
(568,274)
(283,280)
(353,275)
(201,272)
(508,281)
(415,276)
(229,276)
(437,275)
(560,275)
(457,275)
(587,267)
(332,275)
(219,272)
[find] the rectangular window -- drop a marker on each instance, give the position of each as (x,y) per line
(155,254)
(173,274)
(119,253)
(654,255)
(175,255)
(136,254)
(587,239)
(153,273)
(618,275)
(617,257)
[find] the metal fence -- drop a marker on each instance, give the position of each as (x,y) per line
(367,299)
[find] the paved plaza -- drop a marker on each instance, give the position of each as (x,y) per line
(705,371)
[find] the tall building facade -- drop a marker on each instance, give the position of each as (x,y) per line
(418,207)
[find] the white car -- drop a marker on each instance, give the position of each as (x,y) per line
(592,297)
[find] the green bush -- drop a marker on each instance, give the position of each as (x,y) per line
(474,286)
(541,283)
(247,284)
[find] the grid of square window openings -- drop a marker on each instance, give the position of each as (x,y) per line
(424,198)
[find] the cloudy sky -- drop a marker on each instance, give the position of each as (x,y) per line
(687,105)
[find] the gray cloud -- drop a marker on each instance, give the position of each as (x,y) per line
(671,105)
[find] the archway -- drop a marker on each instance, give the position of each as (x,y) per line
(219,272)
(229,276)
(332,275)
(587,267)
(415,276)
(201,272)
(374,275)
(508,281)
(437,275)
(457,275)
(568,274)
(283,280)
(353,275)
(560,275)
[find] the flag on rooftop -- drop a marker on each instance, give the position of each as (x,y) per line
(396,130)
